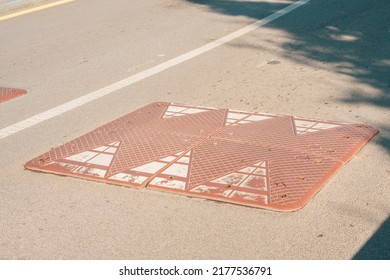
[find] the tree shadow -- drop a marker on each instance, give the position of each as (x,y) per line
(351,36)
(378,246)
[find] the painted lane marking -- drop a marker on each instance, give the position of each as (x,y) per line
(39,8)
(56,111)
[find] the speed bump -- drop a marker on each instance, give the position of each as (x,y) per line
(10,93)
(268,161)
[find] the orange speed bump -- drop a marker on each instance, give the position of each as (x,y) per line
(9,93)
(268,161)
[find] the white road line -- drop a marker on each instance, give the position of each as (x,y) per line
(56,111)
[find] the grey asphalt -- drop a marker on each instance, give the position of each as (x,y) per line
(328,59)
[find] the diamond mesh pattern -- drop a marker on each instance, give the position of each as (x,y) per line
(296,164)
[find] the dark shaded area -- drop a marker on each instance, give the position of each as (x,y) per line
(353,36)
(378,247)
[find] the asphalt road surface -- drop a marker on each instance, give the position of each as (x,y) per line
(327,59)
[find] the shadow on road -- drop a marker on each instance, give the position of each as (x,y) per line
(378,247)
(352,36)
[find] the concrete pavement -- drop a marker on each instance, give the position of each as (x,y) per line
(327,59)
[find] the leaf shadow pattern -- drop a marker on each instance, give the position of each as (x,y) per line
(353,37)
